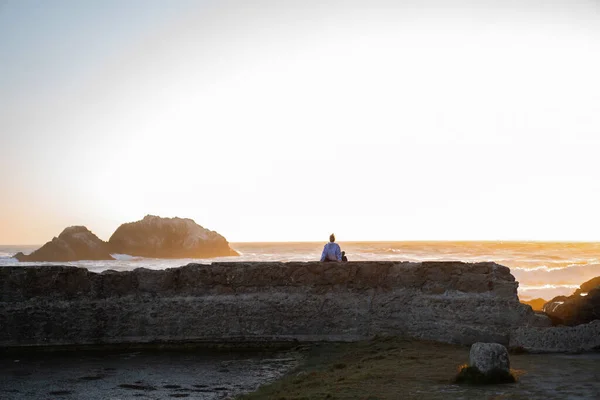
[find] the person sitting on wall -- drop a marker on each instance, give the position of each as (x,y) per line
(344,258)
(331,251)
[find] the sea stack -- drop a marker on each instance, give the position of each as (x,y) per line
(75,243)
(168,238)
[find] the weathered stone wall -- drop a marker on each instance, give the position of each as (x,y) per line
(557,339)
(240,302)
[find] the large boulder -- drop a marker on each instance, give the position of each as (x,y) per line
(73,244)
(581,307)
(168,238)
(487,357)
(488,364)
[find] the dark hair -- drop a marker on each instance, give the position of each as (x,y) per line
(332,238)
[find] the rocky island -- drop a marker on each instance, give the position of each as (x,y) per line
(73,244)
(158,237)
(152,236)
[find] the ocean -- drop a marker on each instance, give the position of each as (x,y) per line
(543,270)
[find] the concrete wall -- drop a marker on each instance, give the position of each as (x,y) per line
(246,302)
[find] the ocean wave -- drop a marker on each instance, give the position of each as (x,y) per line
(544,287)
(546,292)
(547,268)
(573,274)
(124,257)
(6,261)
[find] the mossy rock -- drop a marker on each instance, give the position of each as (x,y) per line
(473,376)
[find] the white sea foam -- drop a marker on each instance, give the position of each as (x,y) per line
(572,274)
(124,257)
(544,287)
(546,292)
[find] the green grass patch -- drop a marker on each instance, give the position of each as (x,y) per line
(385,368)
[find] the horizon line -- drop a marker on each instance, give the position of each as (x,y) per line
(384,241)
(425,241)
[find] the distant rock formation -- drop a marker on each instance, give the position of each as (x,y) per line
(151,237)
(581,307)
(73,244)
(536,304)
(168,238)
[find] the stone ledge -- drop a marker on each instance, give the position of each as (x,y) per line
(557,339)
(64,282)
(445,301)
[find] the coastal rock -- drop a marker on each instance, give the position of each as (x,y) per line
(487,357)
(536,304)
(158,237)
(570,339)
(73,244)
(588,286)
(261,301)
(581,307)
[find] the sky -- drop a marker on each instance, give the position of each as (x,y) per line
(289,120)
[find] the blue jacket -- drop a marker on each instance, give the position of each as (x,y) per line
(332,252)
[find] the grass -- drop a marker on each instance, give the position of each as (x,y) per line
(386,368)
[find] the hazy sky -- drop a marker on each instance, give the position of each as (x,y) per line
(281,120)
